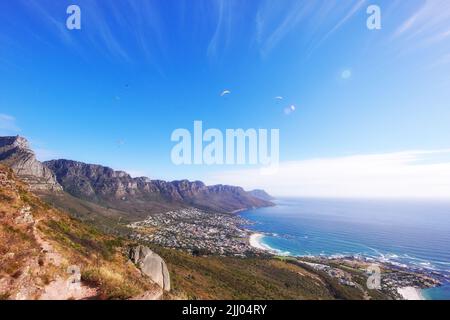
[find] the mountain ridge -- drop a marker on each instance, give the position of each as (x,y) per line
(103,186)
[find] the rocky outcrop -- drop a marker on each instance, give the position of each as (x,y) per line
(16,154)
(119,190)
(151,265)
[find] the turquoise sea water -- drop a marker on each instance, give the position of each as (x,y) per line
(414,233)
(438,293)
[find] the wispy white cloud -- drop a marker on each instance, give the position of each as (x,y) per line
(320,18)
(223,29)
(8,124)
(429,23)
(269,36)
(126,32)
(45,16)
(353,10)
(100,28)
(424,174)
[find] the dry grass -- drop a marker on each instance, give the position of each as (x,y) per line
(16,241)
(101,258)
(226,278)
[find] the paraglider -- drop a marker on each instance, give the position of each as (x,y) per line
(225,92)
(289,110)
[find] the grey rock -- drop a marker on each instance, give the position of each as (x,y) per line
(16,154)
(151,265)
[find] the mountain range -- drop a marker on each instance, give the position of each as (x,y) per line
(88,189)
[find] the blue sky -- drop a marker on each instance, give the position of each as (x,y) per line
(113,92)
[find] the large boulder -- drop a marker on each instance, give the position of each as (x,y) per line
(151,265)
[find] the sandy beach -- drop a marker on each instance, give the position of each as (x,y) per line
(410,293)
(256,241)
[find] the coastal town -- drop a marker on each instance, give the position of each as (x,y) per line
(208,233)
(397,281)
(196,231)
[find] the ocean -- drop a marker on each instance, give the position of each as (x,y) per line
(408,232)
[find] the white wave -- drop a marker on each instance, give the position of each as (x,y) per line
(256,241)
(410,293)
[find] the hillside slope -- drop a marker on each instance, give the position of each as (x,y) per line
(44,253)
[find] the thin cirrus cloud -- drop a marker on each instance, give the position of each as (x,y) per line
(322,18)
(408,174)
(275,20)
(118,32)
(8,124)
(37,10)
(428,24)
(222,32)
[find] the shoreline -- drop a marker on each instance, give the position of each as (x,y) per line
(399,287)
(403,292)
(256,241)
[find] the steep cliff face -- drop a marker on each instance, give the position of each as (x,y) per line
(119,190)
(16,154)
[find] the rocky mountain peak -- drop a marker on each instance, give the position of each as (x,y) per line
(8,143)
(15,153)
(21,142)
